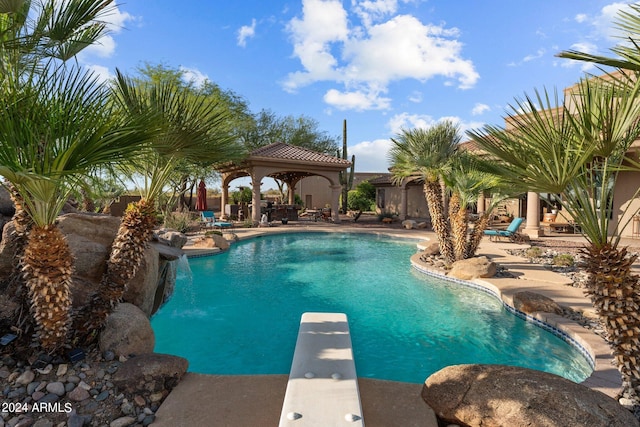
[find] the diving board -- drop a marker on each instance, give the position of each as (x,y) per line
(323,387)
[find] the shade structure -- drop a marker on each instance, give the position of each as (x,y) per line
(201,200)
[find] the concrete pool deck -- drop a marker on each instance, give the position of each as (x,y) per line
(215,400)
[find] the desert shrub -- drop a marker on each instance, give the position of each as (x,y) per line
(179,221)
(563,260)
(533,252)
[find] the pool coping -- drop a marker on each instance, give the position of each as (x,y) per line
(605,376)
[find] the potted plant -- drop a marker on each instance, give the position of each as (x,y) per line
(285,220)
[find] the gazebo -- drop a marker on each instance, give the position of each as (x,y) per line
(287,163)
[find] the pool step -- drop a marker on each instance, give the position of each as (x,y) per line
(323,386)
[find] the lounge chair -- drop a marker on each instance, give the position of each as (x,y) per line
(209,220)
(511,232)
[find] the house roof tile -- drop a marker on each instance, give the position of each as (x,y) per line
(280,150)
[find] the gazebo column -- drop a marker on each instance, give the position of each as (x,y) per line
(291,192)
(224,197)
(256,182)
(481,203)
(335,202)
(532,228)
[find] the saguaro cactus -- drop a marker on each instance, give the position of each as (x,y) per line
(346,178)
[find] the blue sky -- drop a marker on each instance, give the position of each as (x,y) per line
(380,64)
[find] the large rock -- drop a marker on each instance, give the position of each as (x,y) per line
(150,373)
(141,290)
(8,249)
(472,268)
(530,302)
(409,224)
(89,237)
(127,331)
(212,241)
(497,395)
(431,249)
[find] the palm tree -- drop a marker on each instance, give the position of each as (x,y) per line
(55,127)
(195,129)
(469,177)
(577,148)
(426,155)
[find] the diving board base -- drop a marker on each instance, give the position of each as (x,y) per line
(323,386)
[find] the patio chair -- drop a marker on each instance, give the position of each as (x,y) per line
(208,219)
(511,232)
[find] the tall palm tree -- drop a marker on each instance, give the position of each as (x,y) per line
(577,148)
(426,154)
(194,128)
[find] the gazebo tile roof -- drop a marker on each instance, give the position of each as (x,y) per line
(282,151)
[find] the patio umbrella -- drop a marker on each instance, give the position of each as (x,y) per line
(201,200)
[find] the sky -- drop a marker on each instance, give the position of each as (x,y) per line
(382,65)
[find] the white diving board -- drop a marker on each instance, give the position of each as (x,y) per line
(323,387)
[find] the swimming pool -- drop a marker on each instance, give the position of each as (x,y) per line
(239,311)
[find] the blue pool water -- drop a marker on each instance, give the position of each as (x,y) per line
(239,312)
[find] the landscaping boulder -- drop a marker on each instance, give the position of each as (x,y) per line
(212,241)
(89,237)
(8,249)
(423,224)
(409,224)
(127,331)
(472,268)
(141,290)
(150,373)
(431,249)
(498,395)
(172,238)
(530,302)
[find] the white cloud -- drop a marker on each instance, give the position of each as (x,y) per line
(245,32)
(105,47)
(538,54)
(415,97)
(356,100)
(192,75)
(479,109)
(101,73)
(603,22)
(374,10)
(586,47)
(580,18)
(410,121)
(371,156)
(366,59)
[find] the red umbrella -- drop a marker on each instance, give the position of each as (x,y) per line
(201,201)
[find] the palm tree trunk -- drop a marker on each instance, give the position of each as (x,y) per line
(459,226)
(478,233)
(433,195)
(48,265)
(126,256)
(15,287)
(615,295)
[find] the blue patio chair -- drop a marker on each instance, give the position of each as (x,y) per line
(209,220)
(511,231)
